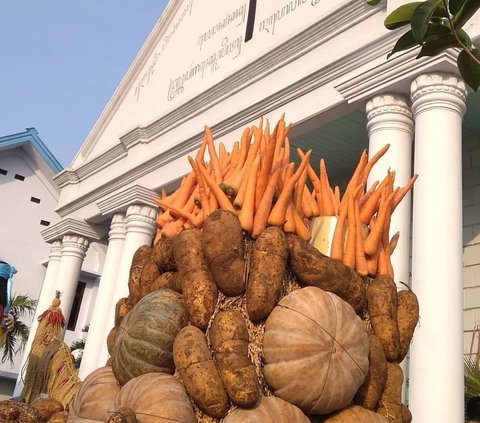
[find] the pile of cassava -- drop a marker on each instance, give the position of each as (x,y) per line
(233,316)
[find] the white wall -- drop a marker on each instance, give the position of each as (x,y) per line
(471,238)
(21,243)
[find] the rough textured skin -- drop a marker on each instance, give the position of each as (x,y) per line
(123,415)
(369,393)
(312,268)
(407,319)
(16,412)
(47,407)
(390,404)
(139,259)
(223,248)
(198,372)
(199,289)
(267,272)
(59,417)
(111,340)
(163,255)
(168,280)
(150,273)
(355,414)
(229,341)
(154,398)
(122,308)
(144,340)
(406,414)
(382,309)
(315,334)
(94,397)
(268,410)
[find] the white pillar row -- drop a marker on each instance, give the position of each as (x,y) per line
(74,249)
(140,230)
(390,122)
(91,357)
(44,301)
(436,355)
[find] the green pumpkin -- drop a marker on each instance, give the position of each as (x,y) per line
(144,339)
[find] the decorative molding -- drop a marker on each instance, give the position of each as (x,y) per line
(74,246)
(55,251)
(120,201)
(141,219)
(400,68)
(240,119)
(387,103)
(322,31)
(66,177)
(437,89)
(117,227)
(73,227)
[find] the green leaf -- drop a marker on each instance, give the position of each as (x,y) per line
(455,5)
(467,10)
(421,18)
(464,37)
(405,42)
(436,44)
(401,16)
(470,68)
(373,2)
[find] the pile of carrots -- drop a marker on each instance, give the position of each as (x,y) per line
(257,181)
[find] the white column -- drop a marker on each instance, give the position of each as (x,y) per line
(436,356)
(44,301)
(74,249)
(140,229)
(390,122)
(91,353)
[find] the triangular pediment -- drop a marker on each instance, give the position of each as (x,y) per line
(195,45)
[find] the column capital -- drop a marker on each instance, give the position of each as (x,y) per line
(141,218)
(389,111)
(117,227)
(75,246)
(55,251)
(438,89)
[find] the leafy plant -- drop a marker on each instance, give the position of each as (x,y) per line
(16,339)
(79,345)
(436,25)
(472,378)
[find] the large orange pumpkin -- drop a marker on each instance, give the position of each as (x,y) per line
(155,398)
(144,339)
(94,397)
(316,351)
(268,410)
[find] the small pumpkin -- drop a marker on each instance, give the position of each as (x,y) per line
(356,414)
(155,398)
(144,339)
(315,334)
(268,410)
(94,397)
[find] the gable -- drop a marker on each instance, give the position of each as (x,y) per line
(195,45)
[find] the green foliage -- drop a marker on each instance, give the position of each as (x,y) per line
(16,339)
(436,25)
(472,378)
(79,345)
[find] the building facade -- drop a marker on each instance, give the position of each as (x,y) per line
(324,65)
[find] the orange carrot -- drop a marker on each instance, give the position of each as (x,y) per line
(300,228)
(246,214)
(337,196)
(298,194)
(349,254)
(371,205)
(183,213)
(289,225)
(215,190)
(393,242)
(263,210)
(336,250)
(328,209)
(370,244)
(201,151)
(360,261)
(383,266)
(368,194)
(277,215)
(201,189)
(217,173)
(265,169)
(333,199)
(403,191)
(376,157)
(355,178)
(244,147)
(312,203)
(173,228)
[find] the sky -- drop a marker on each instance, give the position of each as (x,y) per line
(61,61)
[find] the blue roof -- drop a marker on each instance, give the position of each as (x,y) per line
(31,136)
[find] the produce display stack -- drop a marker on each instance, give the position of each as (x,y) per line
(234,316)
